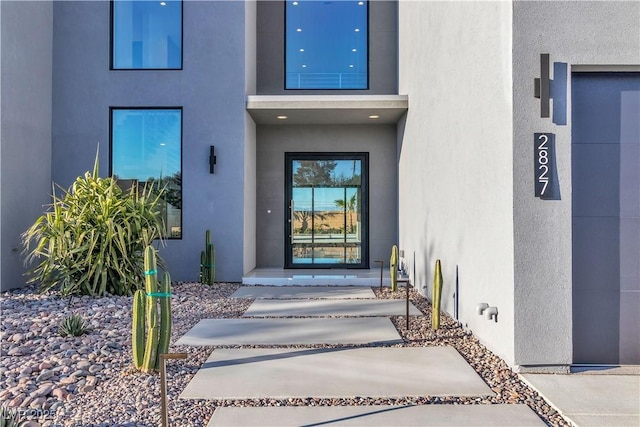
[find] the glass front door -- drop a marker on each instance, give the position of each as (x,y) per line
(327,223)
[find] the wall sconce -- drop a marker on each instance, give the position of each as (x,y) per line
(542,85)
(212,158)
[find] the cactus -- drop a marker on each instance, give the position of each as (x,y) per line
(436,296)
(145,316)
(207,261)
(393,268)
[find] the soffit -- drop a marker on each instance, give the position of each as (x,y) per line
(327,109)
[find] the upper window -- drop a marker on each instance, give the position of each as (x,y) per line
(326,44)
(146,149)
(146,34)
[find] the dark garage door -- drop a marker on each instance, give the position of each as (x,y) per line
(606,217)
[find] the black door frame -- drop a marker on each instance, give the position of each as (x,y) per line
(363,157)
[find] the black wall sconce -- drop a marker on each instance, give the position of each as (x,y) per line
(542,85)
(212,158)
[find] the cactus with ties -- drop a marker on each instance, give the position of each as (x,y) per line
(393,268)
(207,261)
(151,325)
(436,296)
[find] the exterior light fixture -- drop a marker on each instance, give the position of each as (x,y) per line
(212,158)
(374,116)
(281,117)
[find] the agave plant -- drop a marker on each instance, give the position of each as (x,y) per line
(73,325)
(91,241)
(9,417)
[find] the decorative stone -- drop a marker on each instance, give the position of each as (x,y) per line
(44,375)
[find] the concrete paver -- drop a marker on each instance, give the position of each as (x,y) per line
(275,331)
(377,416)
(335,373)
(591,400)
(297,292)
(337,307)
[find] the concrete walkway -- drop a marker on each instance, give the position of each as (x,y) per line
(340,372)
(306,331)
(378,416)
(591,400)
(297,292)
(330,307)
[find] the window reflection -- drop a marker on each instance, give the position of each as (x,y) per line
(147,34)
(326,44)
(146,149)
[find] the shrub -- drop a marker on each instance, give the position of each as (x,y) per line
(73,325)
(92,239)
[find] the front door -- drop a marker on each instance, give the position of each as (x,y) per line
(327,210)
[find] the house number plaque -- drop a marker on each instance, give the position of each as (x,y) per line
(543,164)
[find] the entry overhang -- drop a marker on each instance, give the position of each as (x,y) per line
(327,109)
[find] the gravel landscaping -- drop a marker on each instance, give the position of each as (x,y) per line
(90,380)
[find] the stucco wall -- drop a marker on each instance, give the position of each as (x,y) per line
(211,88)
(274,140)
(383,42)
(455,157)
(573,33)
(25,127)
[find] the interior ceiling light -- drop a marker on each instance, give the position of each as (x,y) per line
(295,3)
(281,117)
(304,65)
(299,30)
(350,65)
(360,3)
(374,116)
(357,30)
(354,50)
(162,3)
(301,50)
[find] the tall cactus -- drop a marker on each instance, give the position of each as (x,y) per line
(207,261)
(436,296)
(393,268)
(147,316)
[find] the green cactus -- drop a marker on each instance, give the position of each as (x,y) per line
(436,296)
(393,268)
(145,316)
(137,326)
(207,261)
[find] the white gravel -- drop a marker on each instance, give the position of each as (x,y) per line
(90,380)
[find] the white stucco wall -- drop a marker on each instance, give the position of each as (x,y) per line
(573,33)
(455,157)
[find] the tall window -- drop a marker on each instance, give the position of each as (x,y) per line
(146,148)
(326,44)
(146,34)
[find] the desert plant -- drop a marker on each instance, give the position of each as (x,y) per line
(73,325)
(91,240)
(393,268)
(208,261)
(147,347)
(436,296)
(9,417)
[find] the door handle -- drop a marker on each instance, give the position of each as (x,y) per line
(291,216)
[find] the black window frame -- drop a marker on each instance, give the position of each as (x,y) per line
(111,42)
(111,110)
(368,43)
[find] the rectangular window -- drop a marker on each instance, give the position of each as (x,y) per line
(146,34)
(146,147)
(326,44)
